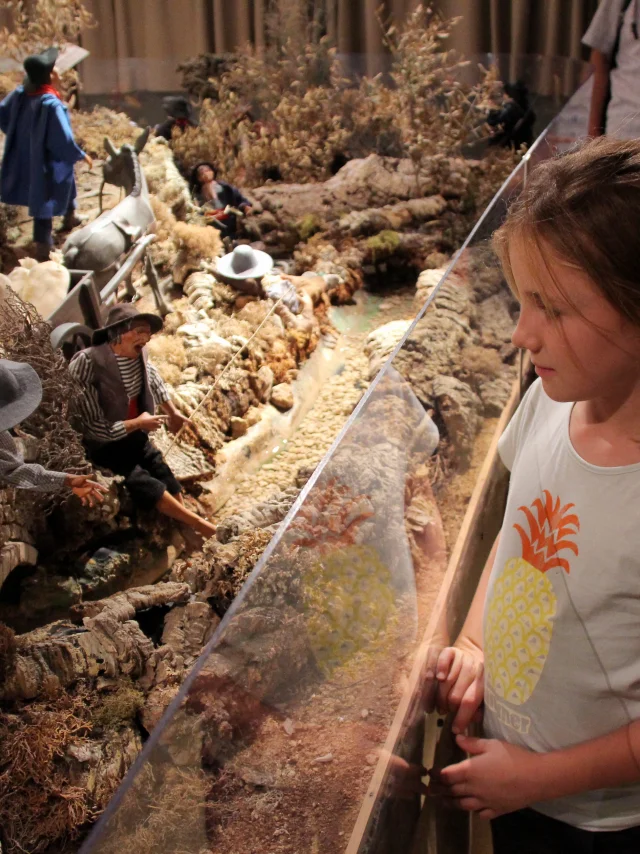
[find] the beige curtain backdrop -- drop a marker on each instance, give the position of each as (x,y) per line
(138,43)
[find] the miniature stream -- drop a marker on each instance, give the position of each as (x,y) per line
(328,387)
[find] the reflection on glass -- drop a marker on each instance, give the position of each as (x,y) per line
(293,701)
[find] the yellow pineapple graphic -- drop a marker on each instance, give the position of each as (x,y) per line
(519,621)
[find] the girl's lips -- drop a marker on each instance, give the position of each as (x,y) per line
(544,372)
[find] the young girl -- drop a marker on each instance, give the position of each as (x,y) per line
(551,644)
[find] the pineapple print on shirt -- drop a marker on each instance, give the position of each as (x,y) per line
(522,606)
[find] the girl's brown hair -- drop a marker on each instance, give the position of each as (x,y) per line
(585,203)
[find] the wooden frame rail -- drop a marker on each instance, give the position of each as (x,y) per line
(407,733)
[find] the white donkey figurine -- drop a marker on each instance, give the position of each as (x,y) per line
(102,244)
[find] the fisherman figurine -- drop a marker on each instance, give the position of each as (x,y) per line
(122,390)
(40,151)
(20,396)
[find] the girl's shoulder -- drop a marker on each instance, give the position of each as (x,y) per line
(536,399)
(536,409)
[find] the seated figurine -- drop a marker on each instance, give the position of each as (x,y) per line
(250,271)
(179,115)
(514,120)
(20,396)
(122,391)
(217,198)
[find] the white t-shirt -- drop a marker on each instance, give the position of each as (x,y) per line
(562,615)
(623,111)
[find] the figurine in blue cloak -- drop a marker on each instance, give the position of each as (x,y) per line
(40,151)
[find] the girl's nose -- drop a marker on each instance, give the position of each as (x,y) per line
(526,335)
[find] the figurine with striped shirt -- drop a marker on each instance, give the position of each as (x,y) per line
(122,391)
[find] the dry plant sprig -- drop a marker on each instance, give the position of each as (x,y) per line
(38,24)
(24,337)
(437,102)
(288,111)
(90,129)
(38,803)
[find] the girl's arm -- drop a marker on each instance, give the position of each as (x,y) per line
(599,93)
(460,668)
(602,763)
(471,635)
(499,778)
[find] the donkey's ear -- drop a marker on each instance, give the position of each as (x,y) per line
(141,141)
(109,147)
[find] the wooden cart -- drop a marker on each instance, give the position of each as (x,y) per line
(84,308)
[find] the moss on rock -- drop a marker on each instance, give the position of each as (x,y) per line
(383,244)
(119,707)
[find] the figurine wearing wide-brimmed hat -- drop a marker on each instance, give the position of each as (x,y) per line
(251,271)
(20,396)
(179,115)
(122,393)
(40,151)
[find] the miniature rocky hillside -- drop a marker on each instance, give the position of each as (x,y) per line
(210,325)
(101,675)
(376,211)
(108,609)
(459,359)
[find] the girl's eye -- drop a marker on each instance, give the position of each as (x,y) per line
(549,310)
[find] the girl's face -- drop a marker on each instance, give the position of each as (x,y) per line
(581,346)
(204,174)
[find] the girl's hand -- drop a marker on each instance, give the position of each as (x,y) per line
(497,778)
(460,680)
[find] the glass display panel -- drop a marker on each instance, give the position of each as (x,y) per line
(302,724)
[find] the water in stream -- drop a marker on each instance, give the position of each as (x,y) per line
(328,387)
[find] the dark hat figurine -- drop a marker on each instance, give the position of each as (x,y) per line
(20,393)
(120,314)
(177,107)
(39,66)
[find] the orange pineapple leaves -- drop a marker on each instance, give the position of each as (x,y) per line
(549,532)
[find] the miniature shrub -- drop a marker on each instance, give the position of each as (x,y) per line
(289,110)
